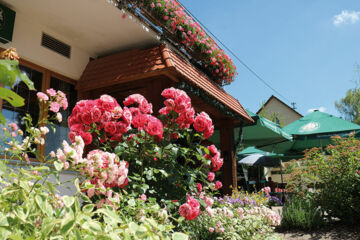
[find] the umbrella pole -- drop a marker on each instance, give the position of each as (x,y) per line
(258,177)
(282,182)
(281,174)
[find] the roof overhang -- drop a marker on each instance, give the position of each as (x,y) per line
(160,60)
(95,26)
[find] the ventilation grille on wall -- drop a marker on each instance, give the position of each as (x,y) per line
(55,45)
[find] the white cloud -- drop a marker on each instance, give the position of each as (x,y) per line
(346,17)
(320,109)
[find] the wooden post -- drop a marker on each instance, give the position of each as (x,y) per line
(229,169)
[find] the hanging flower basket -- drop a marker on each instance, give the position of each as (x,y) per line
(181,28)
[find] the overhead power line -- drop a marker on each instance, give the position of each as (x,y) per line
(232,53)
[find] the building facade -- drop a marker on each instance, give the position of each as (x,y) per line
(87,48)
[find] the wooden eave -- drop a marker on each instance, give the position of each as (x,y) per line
(159,61)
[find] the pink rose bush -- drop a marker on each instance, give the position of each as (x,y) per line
(160,156)
(143,166)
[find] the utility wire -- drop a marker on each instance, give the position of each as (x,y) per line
(232,53)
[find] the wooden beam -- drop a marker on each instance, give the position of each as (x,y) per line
(229,170)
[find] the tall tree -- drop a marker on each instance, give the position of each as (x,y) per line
(349,106)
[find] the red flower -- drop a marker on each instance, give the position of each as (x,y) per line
(110,127)
(214,156)
(203,123)
(86,118)
(86,136)
(154,127)
(191,209)
(217,163)
(199,187)
(218,185)
(211,176)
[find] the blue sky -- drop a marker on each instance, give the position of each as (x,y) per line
(299,47)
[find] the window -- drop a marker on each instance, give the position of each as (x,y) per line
(53,139)
(43,79)
(31,106)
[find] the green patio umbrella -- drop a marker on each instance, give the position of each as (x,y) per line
(263,132)
(253,150)
(252,156)
(313,130)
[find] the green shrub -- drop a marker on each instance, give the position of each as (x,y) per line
(302,214)
(331,178)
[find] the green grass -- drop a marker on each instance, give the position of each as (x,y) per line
(301,214)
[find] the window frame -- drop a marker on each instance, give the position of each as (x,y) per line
(46,78)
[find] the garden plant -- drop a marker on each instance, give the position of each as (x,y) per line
(330,179)
(140,175)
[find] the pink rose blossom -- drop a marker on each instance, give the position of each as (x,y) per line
(51,92)
(211,176)
(191,209)
(218,185)
(13,126)
(143,197)
(54,107)
(42,96)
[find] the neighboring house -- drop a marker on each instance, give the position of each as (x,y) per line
(279,112)
(90,47)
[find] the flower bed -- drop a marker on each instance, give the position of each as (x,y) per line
(186,31)
(145,176)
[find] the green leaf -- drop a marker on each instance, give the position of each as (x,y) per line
(88,208)
(2,119)
(164,173)
(92,226)
(40,168)
(133,227)
(179,236)
(43,204)
(16,236)
(58,165)
(77,205)
(77,234)
(47,226)
(67,225)
(5,232)
(51,187)
(77,186)
(111,214)
(3,220)
(68,201)
(7,72)
(131,202)
(25,79)
(20,213)
(175,151)
(14,99)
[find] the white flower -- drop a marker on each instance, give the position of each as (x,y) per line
(44,130)
(59,117)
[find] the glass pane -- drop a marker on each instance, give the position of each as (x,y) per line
(31,106)
(54,140)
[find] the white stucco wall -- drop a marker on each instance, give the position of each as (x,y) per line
(285,115)
(27,41)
